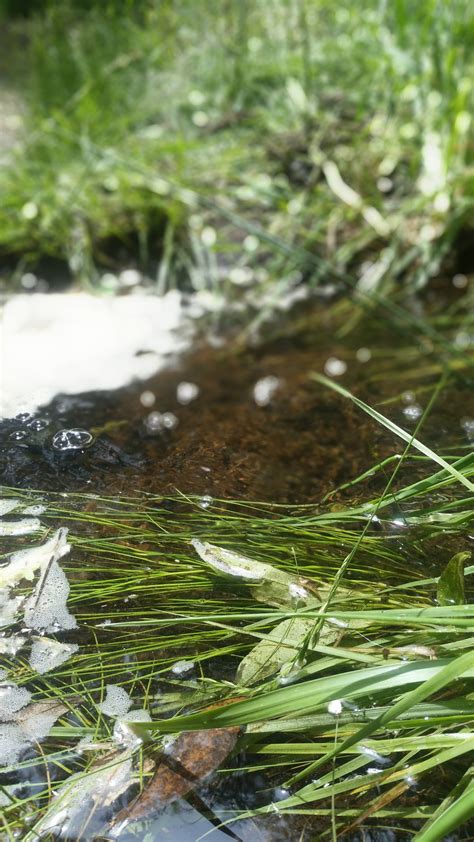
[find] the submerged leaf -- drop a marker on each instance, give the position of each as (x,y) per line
(20,527)
(451,581)
(24,563)
(278,648)
(270,585)
(185,763)
(230,563)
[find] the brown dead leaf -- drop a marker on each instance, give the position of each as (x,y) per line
(190,758)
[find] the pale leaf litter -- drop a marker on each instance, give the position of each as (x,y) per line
(71,343)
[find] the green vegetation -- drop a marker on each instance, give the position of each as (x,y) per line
(247,144)
(351,684)
(248,150)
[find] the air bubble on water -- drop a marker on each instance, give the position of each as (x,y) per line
(363,355)
(28,280)
(241,276)
(467,424)
(463,339)
(251,243)
(187,392)
(335,367)
(129,277)
(196,98)
(280,793)
(37,424)
(147,398)
(22,417)
(158,422)
(71,440)
(205,501)
(200,119)
(117,701)
(182,667)
(460,281)
(208,236)
(413,412)
(265,389)
(18,435)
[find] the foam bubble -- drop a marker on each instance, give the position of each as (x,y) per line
(117,701)
(47,654)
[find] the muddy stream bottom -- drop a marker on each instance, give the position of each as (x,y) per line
(248,424)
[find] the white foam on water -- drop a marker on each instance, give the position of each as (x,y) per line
(117,701)
(9,606)
(77,342)
(30,724)
(45,609)
(12,699)
(12,743)
(11,645)
(47,654)
(124,734)
(8,506)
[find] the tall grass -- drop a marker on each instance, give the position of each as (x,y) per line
(348,140)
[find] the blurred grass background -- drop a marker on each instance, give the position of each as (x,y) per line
(229,146)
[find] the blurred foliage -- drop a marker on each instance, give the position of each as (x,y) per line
(341,145)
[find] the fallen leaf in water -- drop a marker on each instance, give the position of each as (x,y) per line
(184,764)
(269,585)
(279,647)
(24,563)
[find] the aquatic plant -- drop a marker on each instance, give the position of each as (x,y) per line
(311,639)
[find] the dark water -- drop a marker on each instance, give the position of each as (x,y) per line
(299,446)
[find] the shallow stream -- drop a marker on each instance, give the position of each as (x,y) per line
(244,422)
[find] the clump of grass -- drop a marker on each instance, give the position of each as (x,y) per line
(370,712)
(314,148)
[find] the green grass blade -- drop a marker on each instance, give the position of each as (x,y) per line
(459,812)
(394,428)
